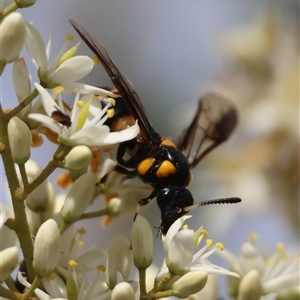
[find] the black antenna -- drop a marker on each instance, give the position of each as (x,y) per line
(231,200)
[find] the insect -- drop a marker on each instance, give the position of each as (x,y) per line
(61,117)
(163,163)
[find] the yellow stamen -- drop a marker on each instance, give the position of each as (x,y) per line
(253,235)
(112,101)
(209,243)
(69,37)
(57,90)
(280,247)
(49,277)
(101,268)
(79,103)
(204,233)
(81,230)
(72,263)
(110,113)
(220,246)
(185,226)
(95,60)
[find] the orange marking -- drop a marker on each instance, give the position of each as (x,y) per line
(145,165)
(167,142)
(166,169)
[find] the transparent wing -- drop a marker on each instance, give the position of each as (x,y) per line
(215,119)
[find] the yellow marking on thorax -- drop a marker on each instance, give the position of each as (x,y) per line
(167,142)
(145,165)
(166,169)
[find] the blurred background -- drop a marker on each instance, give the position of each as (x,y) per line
(176,50)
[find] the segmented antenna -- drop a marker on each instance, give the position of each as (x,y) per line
(231,200)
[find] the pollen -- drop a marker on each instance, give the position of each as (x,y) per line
(101,268)
(49,277)
(220,246)
(185,226)
(204,233)
(280,247)
(72,263)
(69,37)
(209,243)
(57,90)
(95,60)
(110,112)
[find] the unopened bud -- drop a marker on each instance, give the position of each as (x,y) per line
(119,260)
(25,3)
(78,158)
(250,287)
(189,284)
(12,37)
(46,248)
(9,259)
(123,291)
(78,198)
(19,140)
(141,243)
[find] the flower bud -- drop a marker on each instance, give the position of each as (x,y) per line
(79,197)
(12,37)
(141,243)
(46,248)
(9,259)
(41,198)
(25,3)
(250,258)
(21,81)
(123,291)
(189,284)
(78,158)
(19,140)
(250,287)
(119,260)
(292,294)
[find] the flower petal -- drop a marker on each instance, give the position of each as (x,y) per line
(36,48)
(72,69)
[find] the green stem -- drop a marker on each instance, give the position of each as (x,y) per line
(94,214)
(63,227)
(37,280)
(17,195)
(142,280)
(11,284)
(14,6)
(9,294)
(24,176)
(23,104)
(58,156)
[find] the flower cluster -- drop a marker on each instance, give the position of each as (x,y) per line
(42,252)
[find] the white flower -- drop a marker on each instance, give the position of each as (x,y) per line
(56,74)
(86,122)
(123,291)
(274,275)
(10,235)
(180,247)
